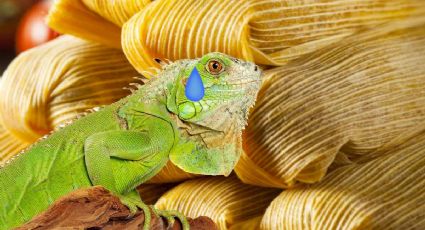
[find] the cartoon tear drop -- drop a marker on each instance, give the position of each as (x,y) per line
(194,90)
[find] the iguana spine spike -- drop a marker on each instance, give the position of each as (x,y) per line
(148,74)
(141,79)
(137,85)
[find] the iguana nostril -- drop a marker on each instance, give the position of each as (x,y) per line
(256,68)
(184,81)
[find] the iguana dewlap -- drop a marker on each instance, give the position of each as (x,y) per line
(192,113)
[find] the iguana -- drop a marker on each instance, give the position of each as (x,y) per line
(192,113)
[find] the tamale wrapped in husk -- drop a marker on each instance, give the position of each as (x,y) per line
(387,192)
(48,85)
(172,30)
(349,99)
(75,18)
(94,20)
(268,32)
(226,201)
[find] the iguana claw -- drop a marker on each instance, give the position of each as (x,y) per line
(170,215)
(133,203)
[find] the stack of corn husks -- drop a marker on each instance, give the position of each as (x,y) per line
(336,139)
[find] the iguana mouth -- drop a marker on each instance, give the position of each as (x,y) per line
(246,82)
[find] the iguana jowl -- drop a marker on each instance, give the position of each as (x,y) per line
(128,142)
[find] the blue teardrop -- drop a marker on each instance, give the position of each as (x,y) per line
(194,90)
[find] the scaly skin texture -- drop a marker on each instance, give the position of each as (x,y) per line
(125,144)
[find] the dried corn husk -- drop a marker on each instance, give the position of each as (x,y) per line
(75,18)
(150,193)
(385,193)
(349,98)
(171,173)
(227,201)
(117,11)
(251,224)
(268,32)
(284,30)
(48,85)
(94,20)
(9,145)
(171,29)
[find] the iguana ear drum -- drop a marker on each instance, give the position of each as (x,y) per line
(194,89)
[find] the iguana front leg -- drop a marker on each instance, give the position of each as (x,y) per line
(129,146)
(125,145)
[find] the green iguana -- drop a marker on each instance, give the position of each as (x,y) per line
(124,144)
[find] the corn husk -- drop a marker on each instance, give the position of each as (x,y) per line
(150,193)
(73,17)
(172,30)
(284,30)
(53,83)
(118,11)
(346,100)
(387,192)
(9,145)
(226,201)
(170,174)
(251,224)
(95,20)
(268,32)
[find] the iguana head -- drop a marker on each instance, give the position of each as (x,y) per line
(212,96)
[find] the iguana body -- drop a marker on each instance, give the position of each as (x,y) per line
(124,144)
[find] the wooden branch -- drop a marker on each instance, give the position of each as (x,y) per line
(97,208)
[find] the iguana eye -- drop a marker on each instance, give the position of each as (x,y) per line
(215,67)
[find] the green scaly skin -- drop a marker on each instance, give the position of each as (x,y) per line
(125,144)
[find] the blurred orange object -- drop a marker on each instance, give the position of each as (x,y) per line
(10,12)
(33,30)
